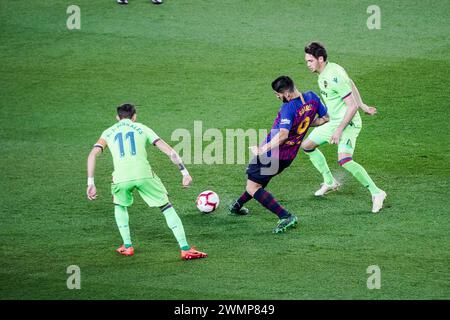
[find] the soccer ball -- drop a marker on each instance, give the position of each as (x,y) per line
(207,201)
(157,1)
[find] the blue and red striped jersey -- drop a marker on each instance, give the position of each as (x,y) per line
(295,117)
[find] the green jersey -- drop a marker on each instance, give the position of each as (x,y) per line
(335,85)
(127,141)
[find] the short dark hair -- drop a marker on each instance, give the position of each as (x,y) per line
(316,49)
(126,110)
(283,84)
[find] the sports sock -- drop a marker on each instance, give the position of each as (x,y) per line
(121,215)
(175,224)
(245,197)
(269,202)
(360,174)
(320,163)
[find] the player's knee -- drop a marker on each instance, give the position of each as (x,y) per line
(345,160)
(165,207)
(306,150)
(251,191)
(307,146)
(252,188)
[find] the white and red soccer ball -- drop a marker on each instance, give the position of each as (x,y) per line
(207,201)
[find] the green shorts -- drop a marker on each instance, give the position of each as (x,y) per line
(151,190)
(347,144)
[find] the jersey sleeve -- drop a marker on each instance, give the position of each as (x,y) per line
(340,83)
(103,136)
(101,142)
(321,110)
(152,137)
(287,116)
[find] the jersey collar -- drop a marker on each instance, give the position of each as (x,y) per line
(326,66)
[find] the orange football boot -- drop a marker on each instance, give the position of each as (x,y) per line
(192,253)
(125,251)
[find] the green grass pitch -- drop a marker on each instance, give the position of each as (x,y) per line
(213,61)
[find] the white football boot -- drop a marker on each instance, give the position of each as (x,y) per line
(377,201)
(324,188)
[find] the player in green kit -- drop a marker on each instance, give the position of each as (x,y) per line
(127,140)
(342,99)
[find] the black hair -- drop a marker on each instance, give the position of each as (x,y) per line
(283,84)
(316,49)
(126,110)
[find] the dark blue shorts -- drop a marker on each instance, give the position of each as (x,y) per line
(263,170)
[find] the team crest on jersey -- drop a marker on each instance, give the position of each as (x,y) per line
(325,83)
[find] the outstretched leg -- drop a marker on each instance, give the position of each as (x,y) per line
(237,207)
(122,219)
(378,195)
(266,199)
(174,223)
(320,163)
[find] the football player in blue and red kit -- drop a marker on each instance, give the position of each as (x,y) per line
(298,112)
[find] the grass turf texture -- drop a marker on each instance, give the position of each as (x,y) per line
(214,61)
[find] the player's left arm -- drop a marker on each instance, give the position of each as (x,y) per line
(352,107)
(98,148)
(176,159)
(368,110)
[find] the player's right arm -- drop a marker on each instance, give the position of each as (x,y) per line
(368,110)
(277,140)
(287,116)
(91,191)
(176,159)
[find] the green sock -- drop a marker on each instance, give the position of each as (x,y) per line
(175,224)
(122,218)
(362,176)
(318,160)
